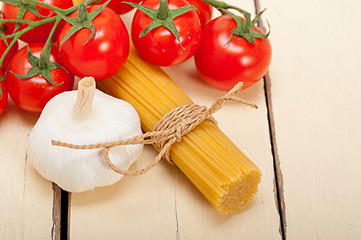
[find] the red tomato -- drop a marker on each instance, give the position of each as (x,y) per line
(104,54)
(222,65)
(38,34)
(33,93)
(3,94)
(119,7)
(160,46)
(205,10)
(10,54)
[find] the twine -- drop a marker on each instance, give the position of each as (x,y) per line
(171,128)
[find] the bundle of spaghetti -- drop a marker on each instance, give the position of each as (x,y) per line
(209,159)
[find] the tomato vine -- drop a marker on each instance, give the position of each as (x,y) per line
(41,65)
(60,14)
(163,16)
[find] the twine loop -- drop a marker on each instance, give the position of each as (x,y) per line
(170,129)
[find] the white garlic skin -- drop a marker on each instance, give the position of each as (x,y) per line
(73,170)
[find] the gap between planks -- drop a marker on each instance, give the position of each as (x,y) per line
(278,189)
(56,230)
(60,215)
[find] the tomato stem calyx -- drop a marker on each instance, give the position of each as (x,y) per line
(244,28)
(42,65)
(84,20)
(30,5)
(162,16)
(36,70)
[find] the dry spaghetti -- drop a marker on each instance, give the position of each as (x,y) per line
(171,128)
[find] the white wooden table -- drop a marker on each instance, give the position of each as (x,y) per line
(305,137)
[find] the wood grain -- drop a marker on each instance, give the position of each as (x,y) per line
(315,86)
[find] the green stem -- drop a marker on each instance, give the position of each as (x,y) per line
(45,53)
(82,12)
(223,5)
(245,29)
(62,11)
(163,9)
(7,50)
(68,11)
(28,22)
(34,24)
(17,35)
(90,2)
(46,5)
(216,4)
(237,19)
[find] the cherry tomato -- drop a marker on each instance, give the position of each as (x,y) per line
(3,94)
(205,10)
(33,93)
(38,34)
(160,46)
(10,54)
(104,54)
(119,7)
(222,65)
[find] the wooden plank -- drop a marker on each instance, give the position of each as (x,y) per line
(163,204)
(26,202)
(315,89)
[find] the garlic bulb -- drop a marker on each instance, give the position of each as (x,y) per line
(85,116)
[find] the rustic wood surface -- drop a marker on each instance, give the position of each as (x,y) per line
(305,137)
(26,199)
(316,95)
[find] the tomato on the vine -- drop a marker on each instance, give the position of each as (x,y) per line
(10,54)
(40,33)
(33,93)
(3,94)
(222,64)
(159,46)
(204,10)
(119,7)
(104,54)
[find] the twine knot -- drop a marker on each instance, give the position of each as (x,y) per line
(170,129)
(176,124)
